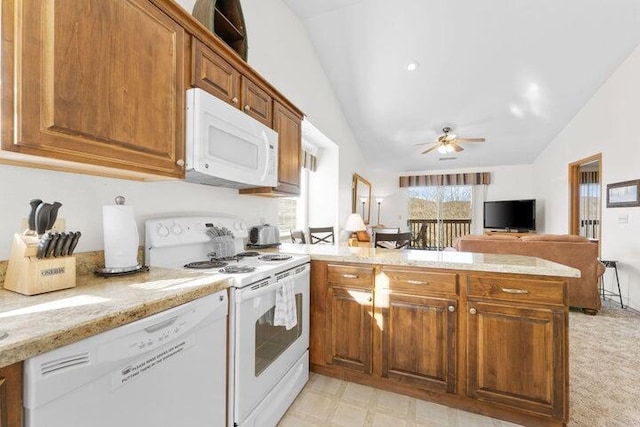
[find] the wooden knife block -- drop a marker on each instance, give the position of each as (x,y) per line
(29,275)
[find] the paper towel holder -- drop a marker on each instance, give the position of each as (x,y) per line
(117,271)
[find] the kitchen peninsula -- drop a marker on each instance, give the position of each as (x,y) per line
(484,333)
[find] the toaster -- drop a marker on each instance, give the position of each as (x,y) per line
(264,235)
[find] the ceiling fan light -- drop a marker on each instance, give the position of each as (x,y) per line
(412,65)
(444,149)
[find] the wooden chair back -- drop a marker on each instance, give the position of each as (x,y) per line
(385,230)
(321,235)
(392,240)
(297,236)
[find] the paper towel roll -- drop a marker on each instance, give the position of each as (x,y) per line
(120,236)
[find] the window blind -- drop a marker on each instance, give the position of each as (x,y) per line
(446,179)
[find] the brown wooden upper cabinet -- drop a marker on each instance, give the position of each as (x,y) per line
(97,82)
(217,76)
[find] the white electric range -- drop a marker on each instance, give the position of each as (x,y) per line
(268,364)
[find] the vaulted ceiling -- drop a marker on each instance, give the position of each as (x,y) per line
(512,71)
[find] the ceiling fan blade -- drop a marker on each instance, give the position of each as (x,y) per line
(470,140)
(430,149)
(456,147)
(424,143)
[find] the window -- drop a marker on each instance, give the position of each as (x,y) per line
(292,210)
(438,215)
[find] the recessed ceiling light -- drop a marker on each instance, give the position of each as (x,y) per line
(412,65)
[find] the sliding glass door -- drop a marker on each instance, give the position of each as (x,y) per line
(439,214)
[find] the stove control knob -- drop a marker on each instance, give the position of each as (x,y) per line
(162,230)
(176,229)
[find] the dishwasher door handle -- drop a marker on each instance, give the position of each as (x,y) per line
(153,328)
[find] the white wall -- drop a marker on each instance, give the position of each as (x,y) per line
(607,124)
(280,50)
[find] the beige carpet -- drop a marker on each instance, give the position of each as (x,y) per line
(604,386)
(604,360)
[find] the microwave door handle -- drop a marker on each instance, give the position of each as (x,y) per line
(266,164)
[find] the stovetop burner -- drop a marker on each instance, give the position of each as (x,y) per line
(275,257)
(205,264)
(233,269)
(247,254)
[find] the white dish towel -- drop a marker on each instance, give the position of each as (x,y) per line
(286,314)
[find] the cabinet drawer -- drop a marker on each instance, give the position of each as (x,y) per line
(512,289)
(420,283)
(351,275)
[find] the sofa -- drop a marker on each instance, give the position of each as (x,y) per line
(574,251)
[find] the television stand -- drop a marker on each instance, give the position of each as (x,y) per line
(514,232)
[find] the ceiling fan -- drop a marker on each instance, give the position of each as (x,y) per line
(448,142)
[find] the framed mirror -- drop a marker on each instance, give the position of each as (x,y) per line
(361,197)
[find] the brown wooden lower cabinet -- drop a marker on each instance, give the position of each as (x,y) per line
(514,355)
(495,344)
(349,328)
(11,395)
(418,341)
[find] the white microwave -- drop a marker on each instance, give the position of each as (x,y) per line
(227,148)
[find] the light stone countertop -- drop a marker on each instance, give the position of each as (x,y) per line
(496,263)
(39,323)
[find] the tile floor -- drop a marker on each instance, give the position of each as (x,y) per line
(331,402)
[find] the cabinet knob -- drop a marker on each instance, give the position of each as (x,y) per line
(247,108)
(370,299)
(180,162)
(473,311)
(234,99)
(451,308)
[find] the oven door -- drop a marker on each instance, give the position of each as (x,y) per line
(264,353)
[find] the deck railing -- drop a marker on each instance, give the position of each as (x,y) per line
(428,234)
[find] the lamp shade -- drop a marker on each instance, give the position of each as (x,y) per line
(355,223)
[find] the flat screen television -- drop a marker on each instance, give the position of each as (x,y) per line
(519,215)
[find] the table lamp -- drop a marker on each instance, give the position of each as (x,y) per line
(354,224)
(379,200)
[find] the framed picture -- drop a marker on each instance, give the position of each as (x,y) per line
(623,194)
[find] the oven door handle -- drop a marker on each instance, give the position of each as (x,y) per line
(244,295)
(248,294)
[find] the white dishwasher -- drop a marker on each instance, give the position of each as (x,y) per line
(168,369)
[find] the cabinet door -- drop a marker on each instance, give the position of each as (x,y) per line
(100,82)
(11,396)
(256,102)
(349,328)
(215,75)
(419,341)
(289,128)
(515,357)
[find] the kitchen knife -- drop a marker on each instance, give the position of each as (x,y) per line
(67,244)
(53,215)
(32,215)
(59,244)
(42,217)
(74,242)
(52,243)
(45,240)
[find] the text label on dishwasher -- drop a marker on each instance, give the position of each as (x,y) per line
(140,366)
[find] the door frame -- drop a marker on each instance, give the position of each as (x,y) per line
(574,192)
